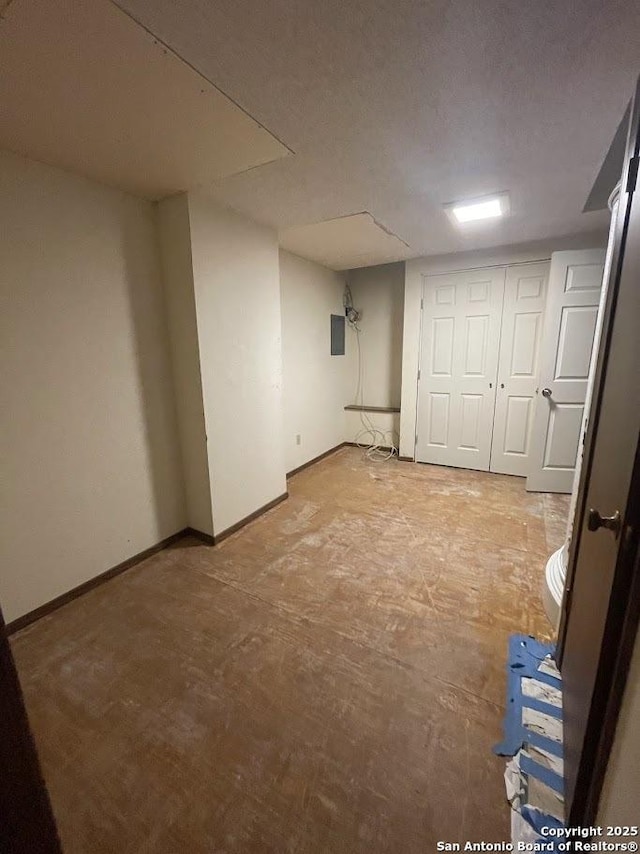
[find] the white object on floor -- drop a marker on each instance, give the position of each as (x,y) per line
(549,667)
(513,782)
(542,724)
(555,575)
(522,832)
(542,798)
(541,691)
(526,790)
(545,759)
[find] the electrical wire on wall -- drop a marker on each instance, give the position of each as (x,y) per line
(352,315)
(377,445)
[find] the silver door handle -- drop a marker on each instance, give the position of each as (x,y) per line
(546,392)
(612,523)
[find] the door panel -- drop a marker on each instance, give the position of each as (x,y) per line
(458,366)
(575,280)
(583,277)
(438,419)
(442,338)
(524,347)
(577,327)
(563,434)
(476,346)
(592,617)
(518,420)
(524,301)
(470,427)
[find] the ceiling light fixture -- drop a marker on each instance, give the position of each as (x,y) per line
(488,207)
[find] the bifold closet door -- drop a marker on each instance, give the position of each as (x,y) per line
(461,319)
(518,367)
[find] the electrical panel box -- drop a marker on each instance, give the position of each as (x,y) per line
(337,335)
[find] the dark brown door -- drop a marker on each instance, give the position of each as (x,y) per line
(27,825)
(600,547)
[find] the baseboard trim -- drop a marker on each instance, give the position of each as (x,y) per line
(207,539)
(49,607)
(96,581)
(406,459)
(232,529)
(354,407)
(364,447)
(316,459)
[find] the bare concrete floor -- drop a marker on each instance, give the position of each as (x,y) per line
(329,679)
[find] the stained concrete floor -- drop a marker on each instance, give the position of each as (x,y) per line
(329,679)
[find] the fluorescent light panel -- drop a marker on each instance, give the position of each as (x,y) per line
(480,210)
(488,207)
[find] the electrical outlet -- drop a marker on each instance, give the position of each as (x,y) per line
(297,438)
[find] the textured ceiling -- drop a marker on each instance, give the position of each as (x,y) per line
(394,107)
(83,87)
(398,106)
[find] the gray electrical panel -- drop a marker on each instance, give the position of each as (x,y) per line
(337,335)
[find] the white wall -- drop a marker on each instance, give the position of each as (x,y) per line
(175,242)
(378,294)
(89,439)
(316,384)
(237,300)
(621,791)
(417,268)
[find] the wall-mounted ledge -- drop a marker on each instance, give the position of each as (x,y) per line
(352,407)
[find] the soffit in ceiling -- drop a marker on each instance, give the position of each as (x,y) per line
(343,243)
(84,87)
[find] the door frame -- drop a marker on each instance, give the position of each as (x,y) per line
(623,613)
(28,823)
(618,643)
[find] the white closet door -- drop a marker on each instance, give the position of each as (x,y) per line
(518,367)
(575,280)
(461,320)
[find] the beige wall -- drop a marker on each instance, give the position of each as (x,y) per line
(237,301)
(175,242)
(89,440)
(378,294)
(316,384)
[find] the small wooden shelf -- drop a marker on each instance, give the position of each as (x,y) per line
(354,408)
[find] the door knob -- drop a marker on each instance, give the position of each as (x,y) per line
(546,392)
(611,523)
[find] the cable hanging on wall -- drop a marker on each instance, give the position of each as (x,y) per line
(352,315)
(377,445)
